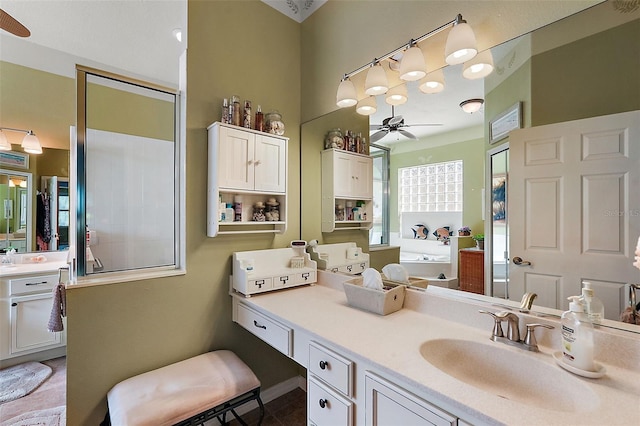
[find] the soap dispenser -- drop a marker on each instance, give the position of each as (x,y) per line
(593,307)
(577,336)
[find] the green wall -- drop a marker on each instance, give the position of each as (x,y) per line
(119,330)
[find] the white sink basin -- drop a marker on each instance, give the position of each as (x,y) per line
(508,374)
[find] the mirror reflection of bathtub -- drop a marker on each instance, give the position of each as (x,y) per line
(430,258)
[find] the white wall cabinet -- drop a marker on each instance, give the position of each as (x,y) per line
(347,178)
(25,308)
(250,164)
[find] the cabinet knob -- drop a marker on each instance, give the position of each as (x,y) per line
(323,403)
(323,365)
(14,304)
(257,162)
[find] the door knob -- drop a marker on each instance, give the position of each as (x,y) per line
(518,261)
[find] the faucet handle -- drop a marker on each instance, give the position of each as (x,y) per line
(497,326)
(530,337)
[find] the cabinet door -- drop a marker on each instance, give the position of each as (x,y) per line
(362,178)
(388,405)
(342,175)
(235,164)
(270,163)
(29,319)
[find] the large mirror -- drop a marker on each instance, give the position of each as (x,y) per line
(547,95)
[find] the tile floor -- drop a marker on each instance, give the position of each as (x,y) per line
(288,410)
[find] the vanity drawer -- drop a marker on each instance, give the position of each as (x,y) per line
(305,277)
(326,407)
(38,284)
(272,332)
(331,368)
(260,284)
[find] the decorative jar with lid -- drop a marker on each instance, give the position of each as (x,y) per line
(334,139)
(258,212)
(274,123)
(273,212)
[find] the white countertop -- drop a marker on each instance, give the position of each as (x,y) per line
(392,343)
(26,266)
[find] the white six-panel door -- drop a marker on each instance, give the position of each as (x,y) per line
(574,206)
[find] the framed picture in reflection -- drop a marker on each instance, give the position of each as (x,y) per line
(505,122)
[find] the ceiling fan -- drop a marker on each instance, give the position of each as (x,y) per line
(12,25)
(395,123)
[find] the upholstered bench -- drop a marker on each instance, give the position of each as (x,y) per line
(188,392)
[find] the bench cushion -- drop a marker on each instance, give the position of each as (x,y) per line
(178,391)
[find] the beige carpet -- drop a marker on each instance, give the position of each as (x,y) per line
(22,379)
(50,395)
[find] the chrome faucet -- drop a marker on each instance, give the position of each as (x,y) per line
(513,330)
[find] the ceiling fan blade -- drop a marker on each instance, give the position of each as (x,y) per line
(378,135)
(10,24)
(407,134)
(376,126)
(426,124)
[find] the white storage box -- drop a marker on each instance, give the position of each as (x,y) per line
(379,302)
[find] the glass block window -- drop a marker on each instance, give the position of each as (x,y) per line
(430,187)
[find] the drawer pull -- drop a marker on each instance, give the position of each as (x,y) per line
(43,282)
(323,403)
(323,365)
(258,325)
(14,304)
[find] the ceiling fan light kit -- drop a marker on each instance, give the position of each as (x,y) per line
(460,47)
(376,82)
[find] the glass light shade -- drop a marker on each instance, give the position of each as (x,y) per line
(346,95)
(4,143)
(461,44)
(31,144)
(397,95)
(367,106)
(376,82)
(478,67)
(412,64)
(471,105)
(433,82)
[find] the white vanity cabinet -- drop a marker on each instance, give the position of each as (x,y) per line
(250,164)
(347,178)
(25,308)
(386,404)
(329,387)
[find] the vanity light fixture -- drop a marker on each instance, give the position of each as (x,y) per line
(397,95)
(346,96)
(367,106)
(471,105)
(4,143)
(461,43)
(478,67)
(30,143)
(433,82)
(460,47)
(412,65)
(376,82)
